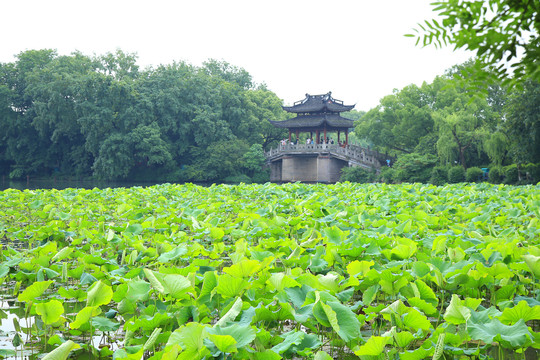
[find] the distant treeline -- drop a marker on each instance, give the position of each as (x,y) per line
(104,117)
(448,130)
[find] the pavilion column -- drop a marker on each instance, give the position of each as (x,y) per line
(289,136)
(297,132)
(324,139)
(347,137)
(338,133)
(318,137)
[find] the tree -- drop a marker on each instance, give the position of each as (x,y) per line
(522,123)
(400,121)
(502,33)
(460,125)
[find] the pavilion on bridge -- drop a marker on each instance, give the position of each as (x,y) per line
(319,115)
(320,161)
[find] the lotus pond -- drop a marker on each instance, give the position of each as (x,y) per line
(343,271)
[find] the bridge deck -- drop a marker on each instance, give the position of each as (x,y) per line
(355,155)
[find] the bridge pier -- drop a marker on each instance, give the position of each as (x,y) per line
(318,162)
(308,168)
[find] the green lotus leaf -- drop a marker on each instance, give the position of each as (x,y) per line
(61,352)
(290,339)
(99,294)
(191,339)
(173,255)
(233,312)
(533,262)
(229,286)
(267,355)
(50,312)
(423,305)
(414,320)
(62,254)
(335,235)
(457,313)
(297,295)
(7,353)
(329,281)
(508,336)
(425,292)
(208,285)
(84,316)
(325,315)
(403,338)
(391,283)
(522,311)
(33,291)
(148,322)
(17,340)
(4,270)
(224,343)
(280,281)
(243,268)
(138,290)
(103,324)
(176,285)
(418,354)
(373,347)
(322,355)
(217,233)
(483,316)
(369,294)
(359,267)
(348,326)
(87,279)
(420,269)
(242,334)
(134,229)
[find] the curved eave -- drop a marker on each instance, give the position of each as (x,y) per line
(321,107)
(335,122)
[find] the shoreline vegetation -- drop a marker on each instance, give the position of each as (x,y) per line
(103,117)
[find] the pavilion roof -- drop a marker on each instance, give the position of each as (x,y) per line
(315,121)
(318,103)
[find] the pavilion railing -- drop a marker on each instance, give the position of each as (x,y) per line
(348,152)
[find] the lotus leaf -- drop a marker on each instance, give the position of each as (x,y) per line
(457,313)
(61,352)
(103,324)
(522,311)
(374,346)
(84,316)
(50,312)
(233,312)
(33,291)
(509,336)
(243,268)
(99,294)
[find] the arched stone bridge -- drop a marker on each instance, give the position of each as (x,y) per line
(319,162)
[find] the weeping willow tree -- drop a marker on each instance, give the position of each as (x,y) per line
(496,147)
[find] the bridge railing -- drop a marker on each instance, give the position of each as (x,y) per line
(347,152)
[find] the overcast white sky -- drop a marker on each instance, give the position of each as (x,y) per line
(354,48)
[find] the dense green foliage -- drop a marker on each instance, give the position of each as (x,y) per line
(441,124)
(104,117)
(502,33)
(268,272)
